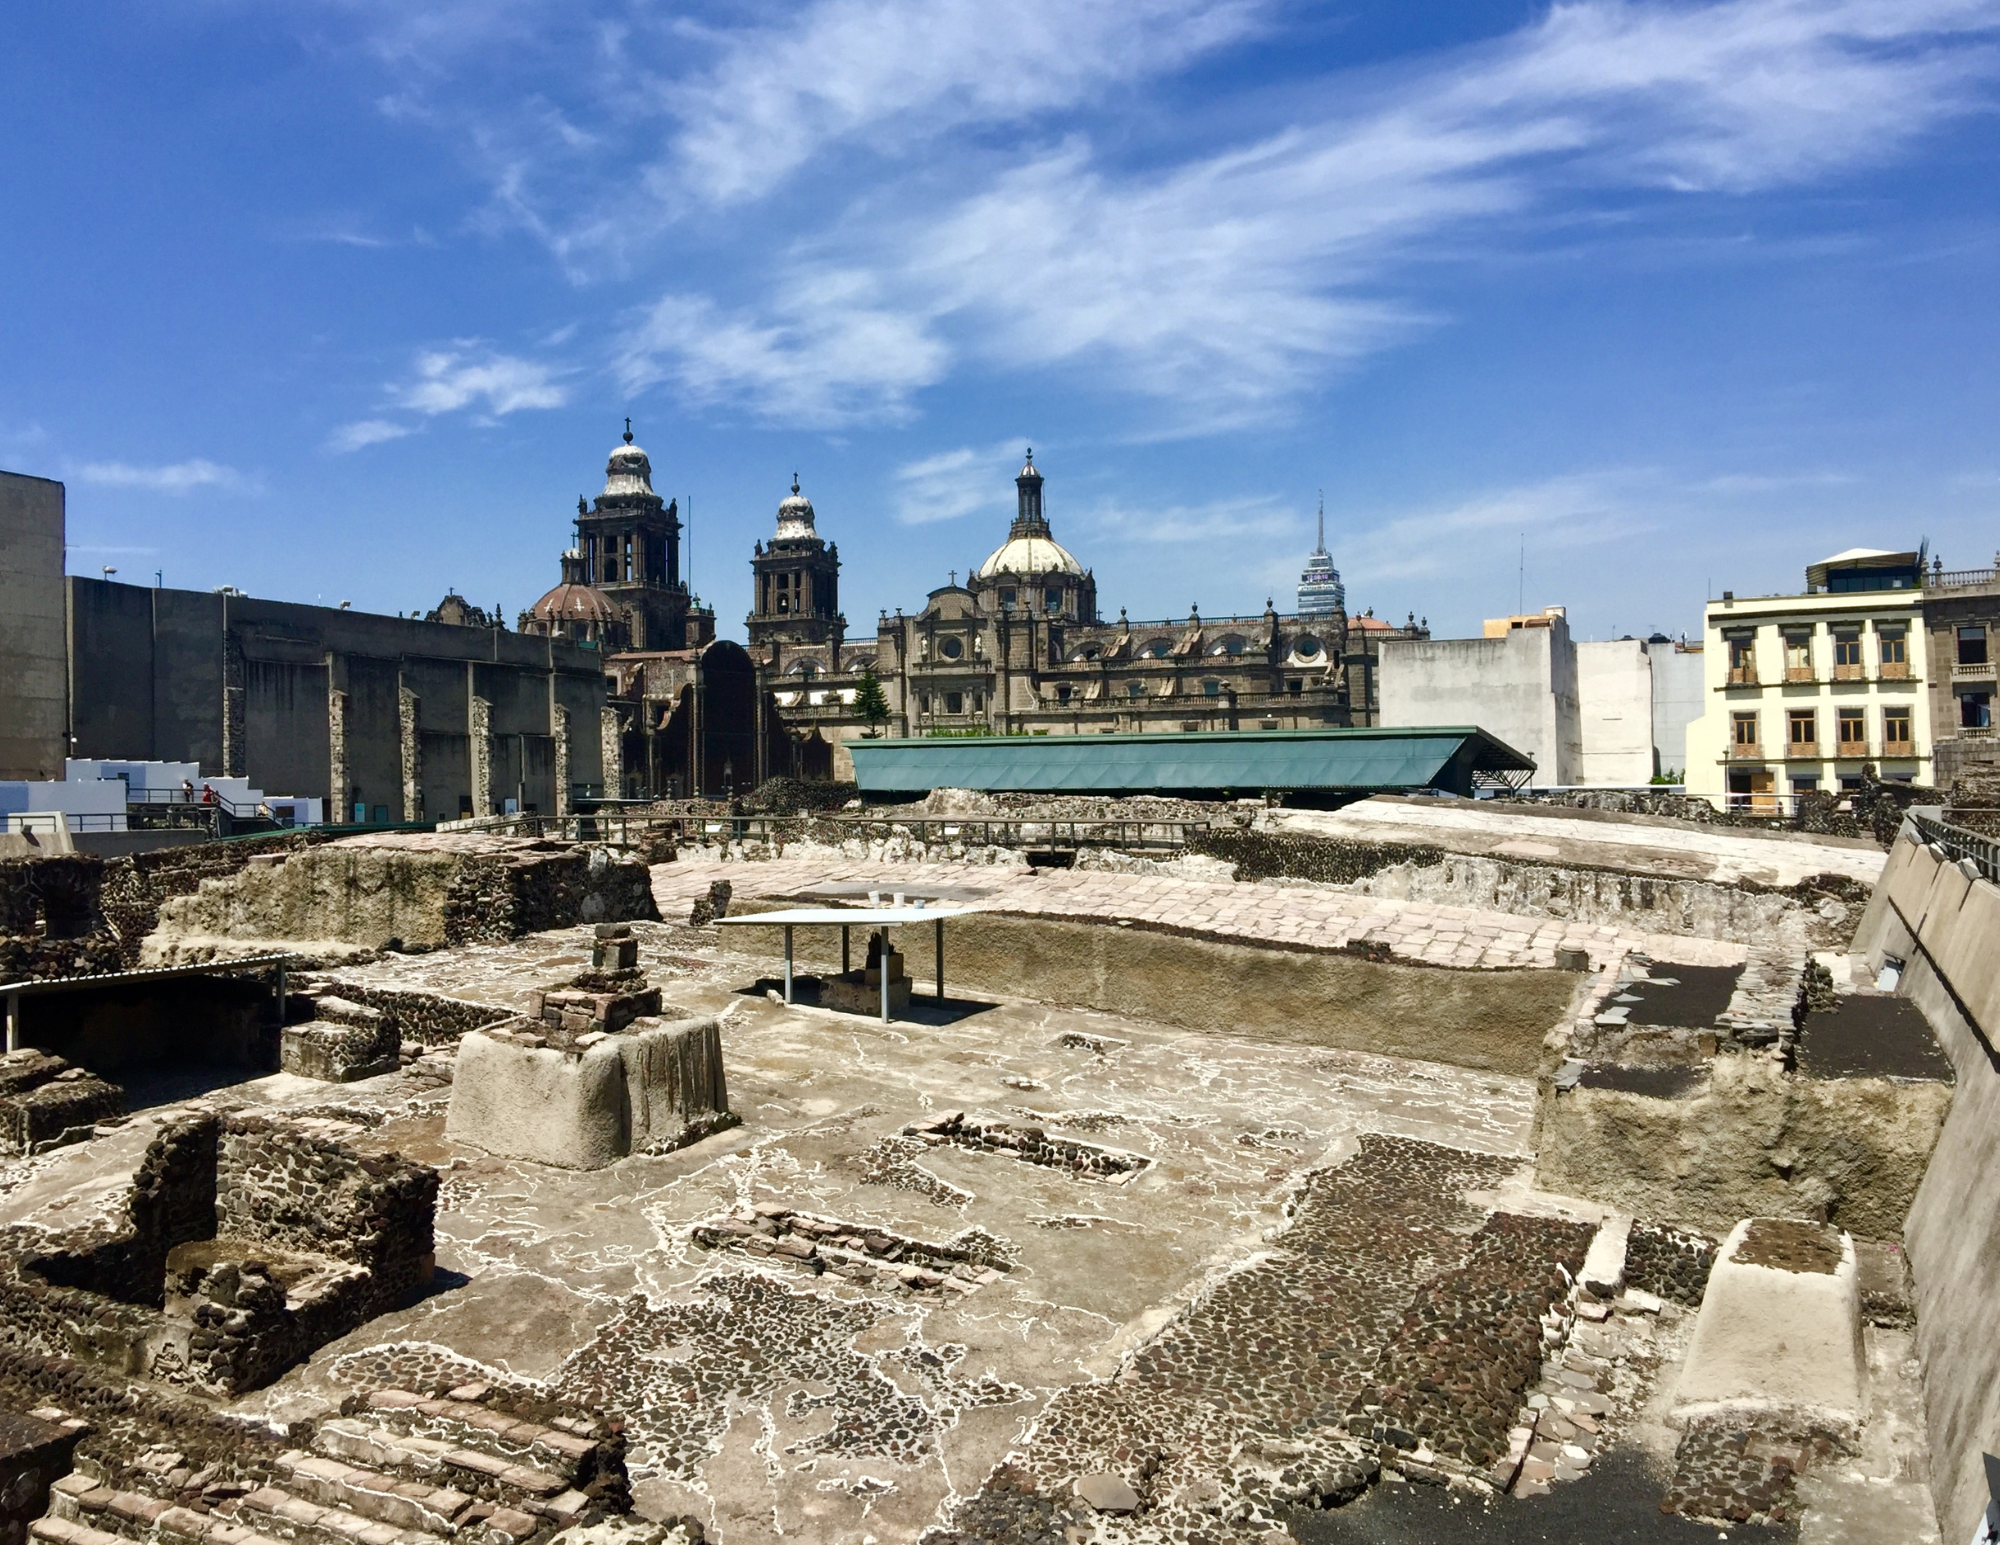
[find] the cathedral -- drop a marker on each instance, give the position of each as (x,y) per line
(1020,648)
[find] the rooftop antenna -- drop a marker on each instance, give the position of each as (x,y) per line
(1322,522)
(1521,595)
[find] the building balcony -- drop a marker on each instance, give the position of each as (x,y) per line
(1972,672)
(1805,751)
(1743,676)
(1797,673)
(1899,671)
(1849,673)
(1752,752)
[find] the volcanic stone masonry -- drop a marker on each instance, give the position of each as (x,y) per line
(248,1242)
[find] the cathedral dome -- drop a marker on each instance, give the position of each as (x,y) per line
(629,471)
(1029,555)
(795,516)
(573,604)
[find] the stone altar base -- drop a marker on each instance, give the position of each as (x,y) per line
(652,1087)
(860,992)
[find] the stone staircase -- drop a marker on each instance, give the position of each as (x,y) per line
(396,1468)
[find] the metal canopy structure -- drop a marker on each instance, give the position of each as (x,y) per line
(1457,759)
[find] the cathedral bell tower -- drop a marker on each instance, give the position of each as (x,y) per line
(796,595)
(629,541)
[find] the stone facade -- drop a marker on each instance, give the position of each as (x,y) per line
(1020,648)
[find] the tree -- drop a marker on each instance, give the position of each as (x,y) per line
(870,702)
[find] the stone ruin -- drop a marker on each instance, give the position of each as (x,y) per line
(46,1103)
(591,1073)
(247,1242)
(405,891)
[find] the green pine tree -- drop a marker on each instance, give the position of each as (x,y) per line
(870,701)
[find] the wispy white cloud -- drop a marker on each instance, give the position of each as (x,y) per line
(465,375)
(957,483)
(180,477)
(1770,482)
(1231,283)
(1476,534)
(820,358)
(365,432)
(1217,521)
(897,73)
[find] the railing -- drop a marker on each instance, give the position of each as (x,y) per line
(1960,579)
(1022,832)
(1742,676)
(1958,843)
(1738,752)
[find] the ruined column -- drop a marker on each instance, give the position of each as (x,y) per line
(407,706)
(481,747)
(613,751)
(342,810)
(562,760)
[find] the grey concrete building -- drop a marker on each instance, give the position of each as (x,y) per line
(33,710)
(403,719)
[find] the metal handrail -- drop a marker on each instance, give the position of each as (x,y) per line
(1959,843)
(1019,831)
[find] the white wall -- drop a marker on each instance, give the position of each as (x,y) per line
(1678,700)
(1521,689)
(1614,689)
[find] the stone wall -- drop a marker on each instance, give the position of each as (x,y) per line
(248,1242)
(422,1018)
(1944,924)
(1753,1140)
(409,891)
(1493,1020)
(1819,913)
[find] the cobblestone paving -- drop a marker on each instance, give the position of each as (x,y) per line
(1257,912)
(1731,1473)
(1453,1375)
(1244,1405)
(1672,1263)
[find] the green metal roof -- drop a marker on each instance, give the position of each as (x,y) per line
(1454,757)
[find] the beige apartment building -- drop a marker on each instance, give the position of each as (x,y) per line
(1804,690)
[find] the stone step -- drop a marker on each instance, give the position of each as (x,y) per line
(406,1504)
(469,1428)
(54,1530)
(468,1470)
(78,1499)
(284,1515)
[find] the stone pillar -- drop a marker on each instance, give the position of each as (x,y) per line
(562,760)
(340,802)
(234,753)
(407,712)
(613,750)
(481,749)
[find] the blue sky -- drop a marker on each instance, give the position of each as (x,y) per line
(348,300)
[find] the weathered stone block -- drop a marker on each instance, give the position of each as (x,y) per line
(652,1087)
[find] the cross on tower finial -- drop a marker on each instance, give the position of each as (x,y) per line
(628,431)
(954,576)
(795,489)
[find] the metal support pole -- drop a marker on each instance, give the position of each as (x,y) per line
(846,961)
(788,962)
(883,957)
(940,958)
(13,1021)
(281,994)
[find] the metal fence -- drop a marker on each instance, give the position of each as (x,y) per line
(712,827)
(1958,843)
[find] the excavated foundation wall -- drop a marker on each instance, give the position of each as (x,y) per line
(1820,913)
(1945,925)
(413,892)
(1492,1020)
(1755,1141)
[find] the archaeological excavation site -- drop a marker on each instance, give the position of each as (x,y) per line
(993,1169)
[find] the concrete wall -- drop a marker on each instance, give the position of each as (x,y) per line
(1521,688)
(1493,1020)
(1614,691)
(1678,700)
(33,704)
(1946,925)
(249,687)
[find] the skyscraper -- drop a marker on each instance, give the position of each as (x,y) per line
(1320,591)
